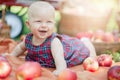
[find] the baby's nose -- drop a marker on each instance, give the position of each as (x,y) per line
(44,24)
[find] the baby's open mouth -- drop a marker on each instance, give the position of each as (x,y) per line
(42,31)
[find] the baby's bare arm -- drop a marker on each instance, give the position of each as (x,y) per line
(58,55)
(19,49)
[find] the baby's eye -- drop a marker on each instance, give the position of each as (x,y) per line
(49,22)
(38,21)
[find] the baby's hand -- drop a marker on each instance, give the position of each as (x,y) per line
(57,72)
(5,54)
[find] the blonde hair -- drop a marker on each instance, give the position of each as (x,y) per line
(40,5)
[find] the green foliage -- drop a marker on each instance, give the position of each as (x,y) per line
(115,55)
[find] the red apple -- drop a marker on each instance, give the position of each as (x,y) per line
(28,71)
(116,35)
(119,39)
(5,68)
(104,60)
(98,40)
(84,34)
(90,64)
(80,35)
(108,37)
(114,73)
(99,34)
(67,74)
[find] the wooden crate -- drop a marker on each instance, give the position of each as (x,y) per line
(102,48)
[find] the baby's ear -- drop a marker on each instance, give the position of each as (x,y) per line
(28,24)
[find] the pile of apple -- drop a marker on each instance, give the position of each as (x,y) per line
(103,60)
(92,64)
(100,36)
(30,70)
(33,70)
(26,71)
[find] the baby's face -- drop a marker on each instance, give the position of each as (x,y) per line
(42,23)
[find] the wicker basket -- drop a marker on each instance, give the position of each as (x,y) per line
(102,48)
(82,16)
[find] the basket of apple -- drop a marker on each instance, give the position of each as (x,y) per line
(103,41)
